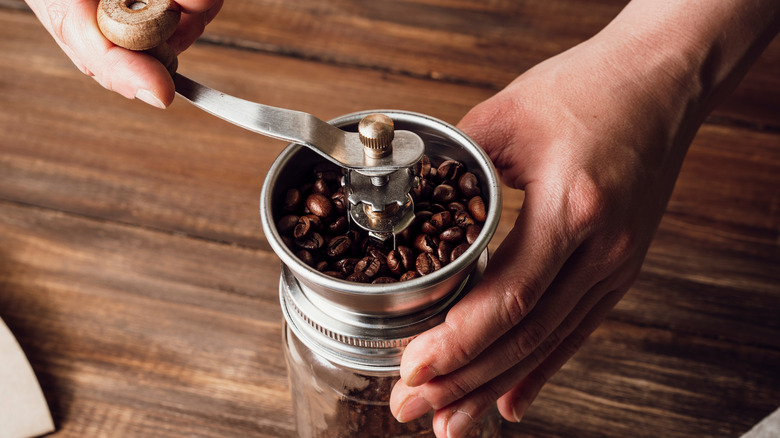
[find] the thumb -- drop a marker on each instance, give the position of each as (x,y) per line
(73,24)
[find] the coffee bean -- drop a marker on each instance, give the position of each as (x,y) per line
(384,280)
(346,266)
(339,201)
(292,200)
(370,266)
(444,252)
(302,228)
(420,217)
(321,187)
(339,225)
(313,241)
(334,274)
(288,242)
(452,234)
(328,171)
(454,207)
(477,209)
(394,262)
(305,256)
(287,223)
(322,266)
(319,205)
(427,263)
(468,185)
(441,220)
(358,277)
(423,167)
(458,251)
(339,246)
(444,194)
(463,219)
(407,256)
(449,170)
(426,243)
(408,275)
(428,228)
(423,191)
(472,232)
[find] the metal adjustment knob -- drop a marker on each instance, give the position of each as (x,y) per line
(376,133)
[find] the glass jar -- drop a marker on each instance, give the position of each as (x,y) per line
(331,400)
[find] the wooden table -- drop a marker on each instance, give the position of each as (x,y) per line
(136,276)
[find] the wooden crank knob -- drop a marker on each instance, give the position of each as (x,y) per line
(141,25)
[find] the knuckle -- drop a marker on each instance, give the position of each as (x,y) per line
(518,298)
(530,336)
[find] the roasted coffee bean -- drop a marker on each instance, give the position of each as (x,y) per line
(292,200)
(449,170)
(384,280)
(302,228)
(428,228)
(427,263)
(370,266)
(458,251)
(407,256)
(288,242)
(452,234)
(313,241)
(321,187)
(346,266)
(441,220)
(305,256)
(469,185)
(408,275)
(423,167)
(420,217)
(339,246)
(319,205)
(334,274)
(463,219)
(437,208)
(339,225)
(328,171)
(426,243)
(287,223)
(339,201)
(444,251)
(394,262)
(322,266)
(315,222)
(358,277)
(477,209)
(423,191)
(444,194)
(472,232)
(454,207)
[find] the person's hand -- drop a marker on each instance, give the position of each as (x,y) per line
(596,137)
(73,24)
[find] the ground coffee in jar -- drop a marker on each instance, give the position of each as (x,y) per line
(352,304)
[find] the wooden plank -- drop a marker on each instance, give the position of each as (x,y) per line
(138,332)
(487,44)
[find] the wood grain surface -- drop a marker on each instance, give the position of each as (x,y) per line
(136,276)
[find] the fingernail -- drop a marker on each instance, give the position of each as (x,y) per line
(518,415)
(412,409)
(148,97)
(423,375)
(459,424)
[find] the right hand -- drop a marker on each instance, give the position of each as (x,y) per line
(73,24)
